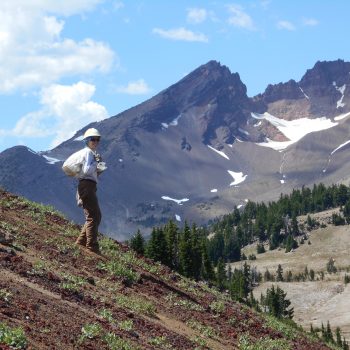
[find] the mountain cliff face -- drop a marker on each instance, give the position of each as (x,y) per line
(194,151)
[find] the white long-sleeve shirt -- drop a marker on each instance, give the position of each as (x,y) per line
(89,165)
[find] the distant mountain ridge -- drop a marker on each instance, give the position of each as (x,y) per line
(193,151)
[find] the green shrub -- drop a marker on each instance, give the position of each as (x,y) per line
(116,343)
(13,337)
(90,331)
(119,269)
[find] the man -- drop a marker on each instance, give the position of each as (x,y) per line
(87,165)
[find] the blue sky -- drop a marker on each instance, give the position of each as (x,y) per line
(64,64)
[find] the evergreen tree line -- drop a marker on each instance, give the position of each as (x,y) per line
(183,250)
(307,275)
(275,222)
(201,253)
(191,252)
(186,251)
(328,337)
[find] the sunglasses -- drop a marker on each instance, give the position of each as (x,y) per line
(95,139)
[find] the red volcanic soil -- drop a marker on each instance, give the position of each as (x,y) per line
(63,297)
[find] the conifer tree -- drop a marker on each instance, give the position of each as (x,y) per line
(329,334)
(312,331)
(309,222)
(185,252)
(260,248)
(275,235)
(338,337)
(137,243)
(216,246)
(247,279)
(267,276)
(207,270)
(221,275)
(279,273)
(294,226)
(157,248)
(196,252)
(232,250)
(342,195)
(323,332)
(236,216)
(259,229)
(172,237)
(290,243)
(237,285)
(276,303)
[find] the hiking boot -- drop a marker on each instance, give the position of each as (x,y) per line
(95,250)
(79,243)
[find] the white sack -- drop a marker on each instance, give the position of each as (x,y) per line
(73,164)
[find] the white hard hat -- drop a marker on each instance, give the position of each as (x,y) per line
(91,132)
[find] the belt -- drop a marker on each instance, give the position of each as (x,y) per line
(88,180)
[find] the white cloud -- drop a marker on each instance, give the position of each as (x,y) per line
(62,7)
(180,34)
(196,15)
(285,25)
(239,18)
(310,22)
(138,87)
(65,109)
(32,52)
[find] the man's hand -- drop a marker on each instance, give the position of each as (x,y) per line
(101,167)
(98,158)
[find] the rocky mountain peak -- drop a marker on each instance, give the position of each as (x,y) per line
(324,73)
(287,91)
(325,85)
(205,83)
(322,91)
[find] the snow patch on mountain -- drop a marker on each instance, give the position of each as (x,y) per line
(237,177)
(31,151)
(175,122)
(306,96)
(243,131)
(341,89)
(342,116)
(178,201)
(222,154)
(340,146)
(294,130)
(51,160)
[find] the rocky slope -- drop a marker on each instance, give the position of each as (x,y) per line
(58,296)
(194,150)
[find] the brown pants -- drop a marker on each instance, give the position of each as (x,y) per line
(88,235)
